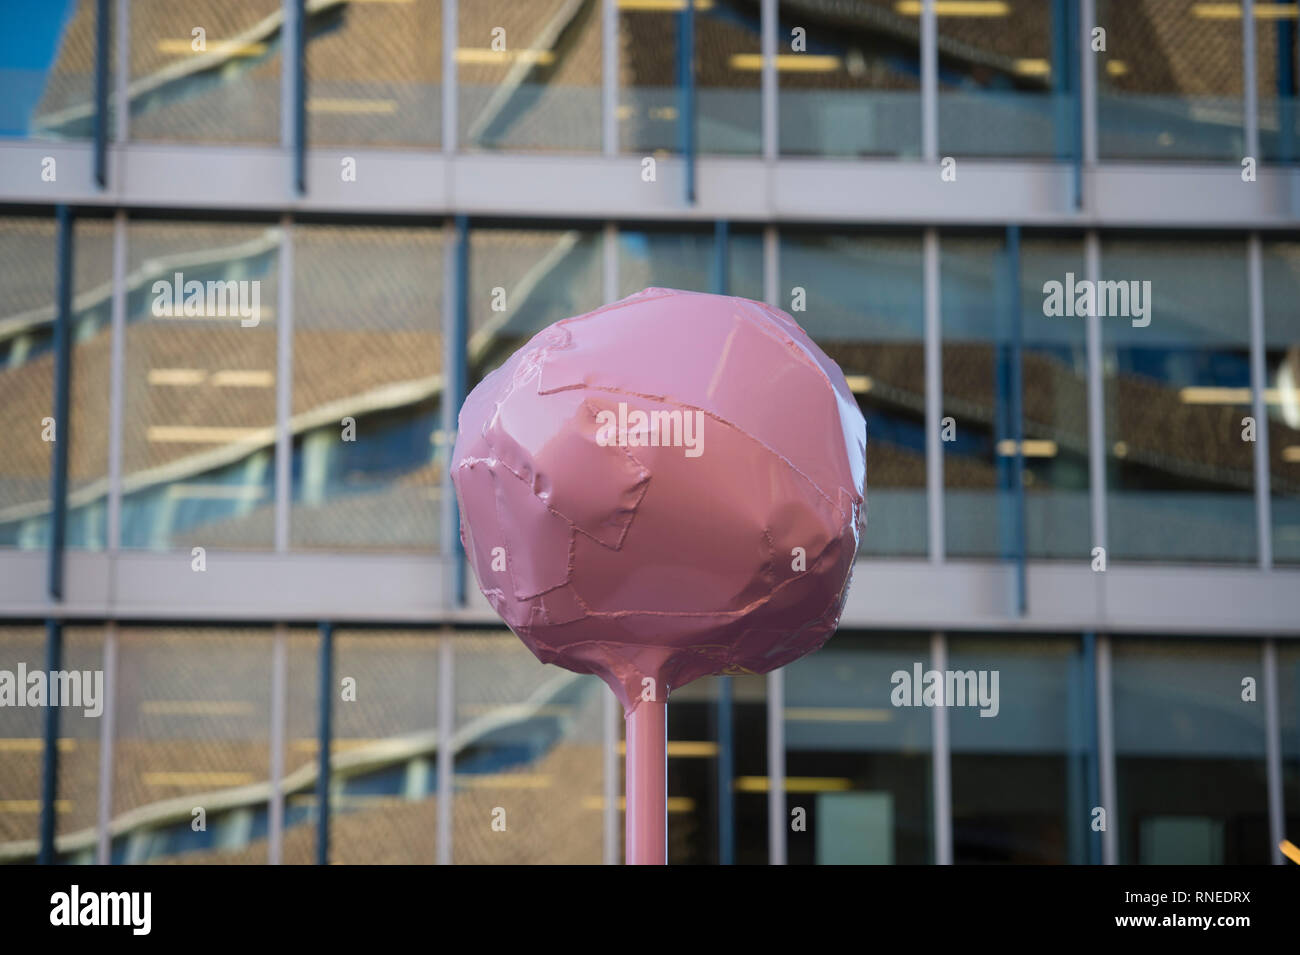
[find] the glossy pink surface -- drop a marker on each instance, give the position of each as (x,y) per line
(661,540)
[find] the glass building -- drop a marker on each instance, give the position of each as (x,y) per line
(1054,245)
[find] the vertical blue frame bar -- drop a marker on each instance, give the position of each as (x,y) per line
(300,98)
(324,739)
(1067,86)
(1286,87)
(1009,422)
(458,382)
(1090,749)
(50,754)
(100,119)
(725,725)
(686,93)
(62,386)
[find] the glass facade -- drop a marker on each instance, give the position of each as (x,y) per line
(275,380)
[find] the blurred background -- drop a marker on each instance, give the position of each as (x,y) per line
(417,187)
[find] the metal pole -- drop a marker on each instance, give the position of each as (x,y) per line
(100,121)
(50,756)
(686,93)
(62,384)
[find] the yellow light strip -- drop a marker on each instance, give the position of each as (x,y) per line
(1291,454)
(219,47)
(956,8)
(32,806)
(683,749)
(1030,448)
(176,376)
(1232,11)
(795,784)
(351,106)
(1289,850)
(661,6)
(476,56)
(859,384)
(1116,68)
(786,62)
(674,804)
(33,745)
(837,714)
(198,778)
(1032,67)
(196,434)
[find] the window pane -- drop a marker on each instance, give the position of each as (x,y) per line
(367,359)
(985,348)
(648,101)
(22,734)
(1282,394)
(1189,754)
(529,785)
(521,280)
(728,56)
(685,260)
(374,74)
(193,732)
(1169,81)
(860,298)
(529,75)
(856,766)
(854,89)
(694,750)
(382,797)
(1021,777)
(199,424)
(92,337)
(1279,54)
(226,92)
(1181,478)
(1005,79)
(47,71)
(27,290)
(1288,678)
(77,801)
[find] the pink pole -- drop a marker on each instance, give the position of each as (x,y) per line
(646,840)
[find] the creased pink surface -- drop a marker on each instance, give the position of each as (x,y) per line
(630,561)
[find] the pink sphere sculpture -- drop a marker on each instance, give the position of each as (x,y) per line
(668,487)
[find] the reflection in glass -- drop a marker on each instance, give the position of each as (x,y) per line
(21,727)
(529,75)
(661,258)
(199,420)
(1189,754)
(1180,476)
(986,348)
(1169,80)
(529,785)
(648,99)
(521,280)
(728,57)
(862,301)
(1023,779)
(27,288)
(1281,269)
(367,364)
(193,721)
(854,89)
(857,766)
(1006,79)
(1288,679)
(1276,32)
(374,73)
(47,71)
(228,91)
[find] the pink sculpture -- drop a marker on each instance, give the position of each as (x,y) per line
(668,487)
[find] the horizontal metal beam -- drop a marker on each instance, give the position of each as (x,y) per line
(398,182)
(909,594)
